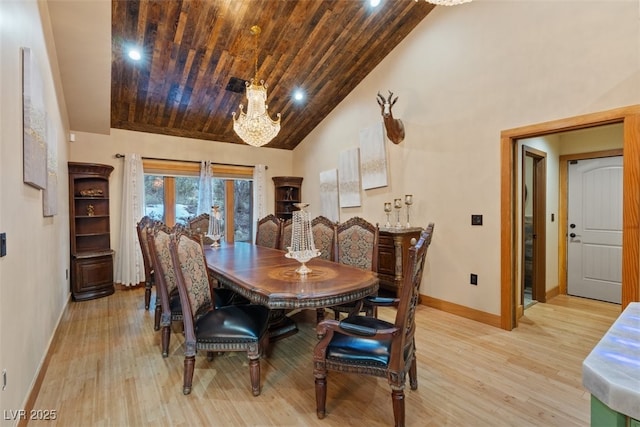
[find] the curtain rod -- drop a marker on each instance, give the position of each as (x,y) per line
(121,156)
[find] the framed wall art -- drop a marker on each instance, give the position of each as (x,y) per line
(34,123)
(329,194)
(349,178)
(373,157)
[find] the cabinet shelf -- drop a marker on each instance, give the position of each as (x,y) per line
(287,194)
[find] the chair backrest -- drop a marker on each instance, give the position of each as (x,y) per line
(199,224)
(403,343)
(324,235)
(192,279)
(268,232)
(285,234)
(142,228)
(165,277)
(357,244)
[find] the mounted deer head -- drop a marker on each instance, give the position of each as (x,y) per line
(394,127)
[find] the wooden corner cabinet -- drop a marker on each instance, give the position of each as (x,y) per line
(91,253)
(393,255)
(288,191)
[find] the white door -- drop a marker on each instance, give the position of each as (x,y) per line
(594,218)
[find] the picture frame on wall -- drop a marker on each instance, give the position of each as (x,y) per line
(34,123)
(349,178)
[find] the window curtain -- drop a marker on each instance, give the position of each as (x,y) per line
(259,195)
(205,188)
(129,263)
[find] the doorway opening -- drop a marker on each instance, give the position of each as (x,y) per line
(630,118)
(533,227)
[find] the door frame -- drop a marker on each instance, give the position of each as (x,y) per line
(539,199)
(630,117)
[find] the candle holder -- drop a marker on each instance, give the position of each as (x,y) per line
(387,210)
(302,248)
(397,203)
(408,200)
(214,232)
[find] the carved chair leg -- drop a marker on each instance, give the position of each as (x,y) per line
(210,355)
(397,396)
(319,315)
(413,374)
(254,373)
(321,395)
(189,364)
(157,315)
(147,294)
(166,334)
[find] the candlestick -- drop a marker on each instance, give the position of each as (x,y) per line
(397,203)
(408,200)
(387,209)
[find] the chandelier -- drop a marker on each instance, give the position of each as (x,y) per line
(447,2)
(255,127)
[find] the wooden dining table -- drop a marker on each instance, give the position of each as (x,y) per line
(265,276)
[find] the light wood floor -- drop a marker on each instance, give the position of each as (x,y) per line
(106,370)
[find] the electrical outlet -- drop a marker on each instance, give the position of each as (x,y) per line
(473,279)
(476,219)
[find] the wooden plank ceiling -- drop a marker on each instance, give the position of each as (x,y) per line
(192,50)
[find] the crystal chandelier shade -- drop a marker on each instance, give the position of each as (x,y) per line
(255,126)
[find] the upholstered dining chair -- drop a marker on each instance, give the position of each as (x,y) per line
(356,244)
(214,329)
(166,284)
(370,346)
(285,233)
(324,234)
(142,228)
(200,225)
(268,232)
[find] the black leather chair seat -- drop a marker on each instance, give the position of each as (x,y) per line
(240,323)
(360,350)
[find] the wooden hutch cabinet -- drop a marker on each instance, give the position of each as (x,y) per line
(393,255)
(288,190)
(91,254)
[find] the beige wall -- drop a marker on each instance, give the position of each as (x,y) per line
(462,76)
(95,148)
(33,285)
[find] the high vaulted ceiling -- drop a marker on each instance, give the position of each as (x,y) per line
(193,49)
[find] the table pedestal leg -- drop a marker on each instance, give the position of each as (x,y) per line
(280,326)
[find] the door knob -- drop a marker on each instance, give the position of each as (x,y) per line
(572,225)
(572,235)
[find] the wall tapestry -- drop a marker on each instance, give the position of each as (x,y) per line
(34,123)
(50,193)
(373,157)
(329,195)
(349,178)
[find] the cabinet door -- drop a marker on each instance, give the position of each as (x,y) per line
(92,277)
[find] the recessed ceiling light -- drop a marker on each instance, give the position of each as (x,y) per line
(298,95)
(134,54)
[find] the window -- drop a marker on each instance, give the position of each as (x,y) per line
(171,195)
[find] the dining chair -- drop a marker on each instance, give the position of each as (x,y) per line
(356,244)
(200,225)
(285,233)
(142,228)
(324,236)
(166,284)
(268,232)
(367,345)
(240,327)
